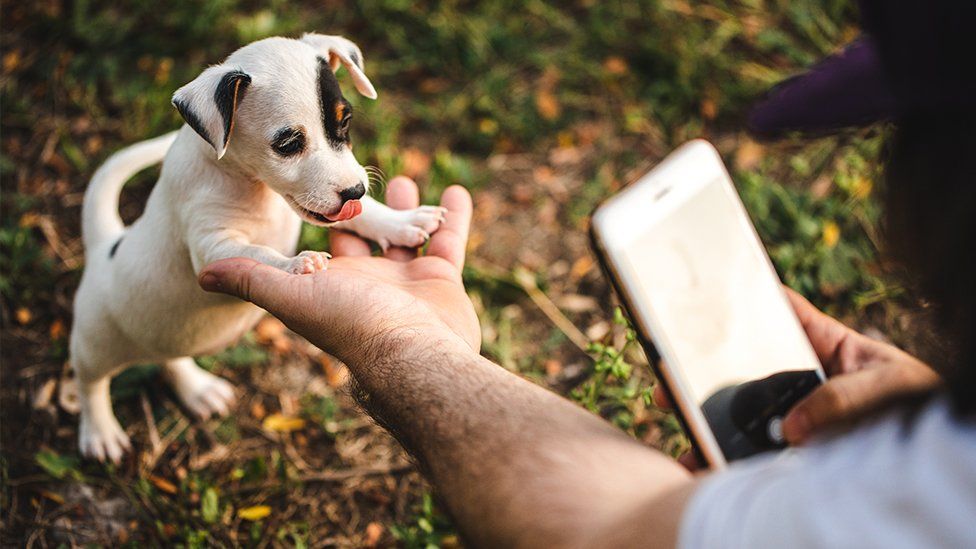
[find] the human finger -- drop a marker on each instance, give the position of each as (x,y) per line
(346,244)
(250,280)
(450,240)
(402,194)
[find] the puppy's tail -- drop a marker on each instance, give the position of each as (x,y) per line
(100,219)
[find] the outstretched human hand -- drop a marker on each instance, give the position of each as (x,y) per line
(363,306)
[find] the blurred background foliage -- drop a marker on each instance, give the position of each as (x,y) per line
(541,108)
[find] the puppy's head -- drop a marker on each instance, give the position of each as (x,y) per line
(274,112)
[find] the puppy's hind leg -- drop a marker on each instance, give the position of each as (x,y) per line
(99,434)
(202,392)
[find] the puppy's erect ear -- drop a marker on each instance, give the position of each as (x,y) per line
(339,50)
(209,103)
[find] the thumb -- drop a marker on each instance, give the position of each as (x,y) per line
(250,280)
(842,399)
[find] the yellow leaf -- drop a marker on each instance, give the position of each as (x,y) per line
(255,513)
(862,188)
(831,234)
(282,424)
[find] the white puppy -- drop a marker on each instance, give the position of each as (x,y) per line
(265,146)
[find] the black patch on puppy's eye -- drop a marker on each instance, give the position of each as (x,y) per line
(289,141)
(336,111)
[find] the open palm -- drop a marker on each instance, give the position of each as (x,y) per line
(362,303)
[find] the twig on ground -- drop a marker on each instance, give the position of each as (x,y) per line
(526,280)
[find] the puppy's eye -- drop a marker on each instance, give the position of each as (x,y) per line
(289,141)
(344,125)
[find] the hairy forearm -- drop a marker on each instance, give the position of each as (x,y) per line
(514,463)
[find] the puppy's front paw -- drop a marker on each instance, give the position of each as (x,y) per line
(308,262)
(414,227)
(102,439)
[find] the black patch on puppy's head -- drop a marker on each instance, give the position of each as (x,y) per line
(336,111)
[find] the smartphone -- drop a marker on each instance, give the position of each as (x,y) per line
(704,298)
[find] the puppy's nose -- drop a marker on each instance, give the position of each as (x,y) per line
(353,193)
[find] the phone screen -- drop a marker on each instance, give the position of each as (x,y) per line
(721,315)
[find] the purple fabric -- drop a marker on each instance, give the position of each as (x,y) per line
(843,90)
(915,60)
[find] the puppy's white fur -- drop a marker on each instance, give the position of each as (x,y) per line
(220,194)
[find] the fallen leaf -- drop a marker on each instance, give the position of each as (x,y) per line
(268,330)
(547,104)
(581,267)
(831,234)
(615,65)
(553,367)
(56,331)
(23,315)
(282,424)
(57,498)
(254,513)
(709,108)
(862,188)
(335,375)
(258,411)
(374,531)
(163,484)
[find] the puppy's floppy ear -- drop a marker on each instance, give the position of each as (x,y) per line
(340,50)
(209,103)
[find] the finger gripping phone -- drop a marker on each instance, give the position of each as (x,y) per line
(704,298)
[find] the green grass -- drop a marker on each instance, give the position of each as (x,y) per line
(594,92)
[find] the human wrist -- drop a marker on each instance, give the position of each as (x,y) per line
(409,344)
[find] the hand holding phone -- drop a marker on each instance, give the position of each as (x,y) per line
(696,281)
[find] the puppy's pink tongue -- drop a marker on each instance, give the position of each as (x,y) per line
(350,209)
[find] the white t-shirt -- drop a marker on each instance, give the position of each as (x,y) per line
(900,481)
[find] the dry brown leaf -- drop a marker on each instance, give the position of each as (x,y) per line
(547,104)
(709,108)
(615,65)
(257,410)
(374,531)
(56,330)
(581,267)
(268,330)
(23,315)
(553,367)
(163,485)
(335,375)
